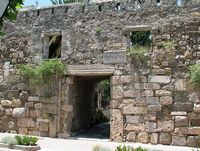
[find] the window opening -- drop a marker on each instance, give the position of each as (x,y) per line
(55,46)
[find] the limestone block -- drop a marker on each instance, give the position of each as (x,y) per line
(6,103)
(23,96)
(154,108)
(132,119)
(38,105)
(180,84)
(23,131)
(193,141)
(165,138)
(25,122)
(53,127)
(181,121)
(117,93)
(195,122)
(197,108)
(159,79)
(135,110)
(178,106)
(11,124)
(152,100)
(67,108)
(126,79)
(166,126)
(64,135)
(190,130)
(151,86)
(181,96)
(139,128)
(33,99)
(179,140)
(19,112)
(150,127)
(143,137)
(179,113)
(154,138)
(131,137)
(162,93)
(43,126)
(166,100)
(147,93)
(29,104)
(50,108)
(194,97)
(116,80)
(8,112)
(16,103)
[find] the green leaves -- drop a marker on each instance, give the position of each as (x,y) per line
(40,74)
(26,140)
(195,74)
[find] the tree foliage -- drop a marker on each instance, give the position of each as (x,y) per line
(11,11)
(56,2)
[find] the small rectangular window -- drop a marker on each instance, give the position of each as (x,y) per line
(55,46)
(158,2)
(179,2)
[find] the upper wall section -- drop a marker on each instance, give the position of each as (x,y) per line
(133,5)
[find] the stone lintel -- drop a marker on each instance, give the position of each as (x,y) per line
(137,28)
(89,70)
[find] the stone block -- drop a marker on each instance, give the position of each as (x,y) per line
(152,100)
(23,96)
(126,79)
(166,126)
(195,122)
(43,126)
(6,103)
(67,108)
(193,141)
(165,138)
(132,119)
(179,106)
(132,93)
(33,99)
(115,80)
(166,100)
(180,84)
(16,103)
(151,86)
(150,127)
(8,112)
(38,105)
(147,93)
(11,124)
(190,130)
(19,112)
(154,108)
(197,108)
(154,138)
(143,137)
(117,93)
(135,110)
(25,122)
(159,79)
(178,140)
(50,108)
(181,121)
(162,93)
(10,94)
(64,135)
(131,137)
(139,128)
(194,97)
(181,96)
(29,104)
(179,113)
(23,131)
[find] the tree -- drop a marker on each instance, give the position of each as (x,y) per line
(55,2)
(11,11)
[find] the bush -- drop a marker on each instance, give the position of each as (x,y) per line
(195,74)
(10,140)
(40,74)
(26,140)
(100,148)
(128,148)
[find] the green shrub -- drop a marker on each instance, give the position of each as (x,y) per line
(100,148)
(98,30)
(195,74)
(168,44)
(128,148)
(26,140)
(10,140)
(41,73)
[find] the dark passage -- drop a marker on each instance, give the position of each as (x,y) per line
(91,112)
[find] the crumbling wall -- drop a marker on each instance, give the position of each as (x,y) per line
(152,101)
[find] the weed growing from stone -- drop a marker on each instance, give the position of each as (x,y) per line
(195,74)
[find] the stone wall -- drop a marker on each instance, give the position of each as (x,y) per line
(152,101)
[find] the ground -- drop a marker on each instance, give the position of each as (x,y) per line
(82,144)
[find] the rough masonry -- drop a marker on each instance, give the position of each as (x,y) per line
(152,101)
